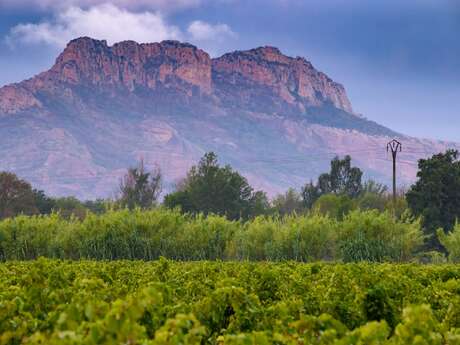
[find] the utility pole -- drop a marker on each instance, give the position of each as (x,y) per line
(395,147)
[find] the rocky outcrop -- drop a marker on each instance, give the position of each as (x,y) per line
(126,66)
(131,65)
(292,80)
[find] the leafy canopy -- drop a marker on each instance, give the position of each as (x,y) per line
(436,194)
(16,196)
(211,188)
(342,179)
(140,188)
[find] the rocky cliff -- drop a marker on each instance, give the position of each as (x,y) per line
(293,81)
(75,128)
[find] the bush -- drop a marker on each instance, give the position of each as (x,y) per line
(372,201)
(301,238)
(165,302)
(336,206)
(147,235)
(374,236)
(28,237)
(451,242)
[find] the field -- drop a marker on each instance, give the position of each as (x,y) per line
(169,302)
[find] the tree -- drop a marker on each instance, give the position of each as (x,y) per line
(373,187)
(372,201)
(210,188)
(69,207)
(310,193)
(260,205)
(16,196)
(334,205)
(373,196)
(288,203)
(98,206)
(44,203)
(436,194)
(342,179)
(140,188)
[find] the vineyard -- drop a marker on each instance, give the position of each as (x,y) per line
(168,302)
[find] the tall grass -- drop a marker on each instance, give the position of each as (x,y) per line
(147,235)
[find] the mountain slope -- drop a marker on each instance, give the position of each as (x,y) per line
(76,127)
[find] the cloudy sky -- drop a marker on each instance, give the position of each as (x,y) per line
(398,59)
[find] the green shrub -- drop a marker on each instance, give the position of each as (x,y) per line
(451,242)
(374,236)
(378,305)
(150,234)
(170,303)
(28,237)
(301,238)
(336,206)
(372,201)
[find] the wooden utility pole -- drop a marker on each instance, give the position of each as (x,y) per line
(395,146)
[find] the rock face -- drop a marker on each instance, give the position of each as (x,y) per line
(293,81)
(74,129)
(131,65)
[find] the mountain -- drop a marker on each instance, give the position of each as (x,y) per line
(74,129)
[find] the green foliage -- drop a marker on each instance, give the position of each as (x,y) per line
(375,236)
(372,201)
(98,206)
(212,189)
(149,234)
(451,242)
(419,326)
(140,188)
(171,303)
(434,196)
(43,202)
(69,207)
(26,238)
(336,206)
(378,305)
(183,329)
(120,234)
(310,193)
(340,205)
(179,199)
(301,238)
(16,196)
(288,203)
(342,179)
(373,187)
(259,205)
(401,208)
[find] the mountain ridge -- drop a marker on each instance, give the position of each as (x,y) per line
(74,128)
(86,60)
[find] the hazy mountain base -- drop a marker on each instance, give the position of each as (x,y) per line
(85,155)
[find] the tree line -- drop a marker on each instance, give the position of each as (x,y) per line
(210,188)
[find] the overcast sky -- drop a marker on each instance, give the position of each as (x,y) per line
(398,59)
